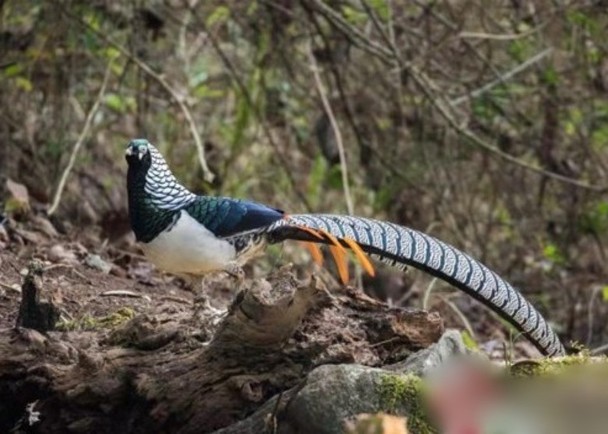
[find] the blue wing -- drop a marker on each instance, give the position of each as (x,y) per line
(225,216)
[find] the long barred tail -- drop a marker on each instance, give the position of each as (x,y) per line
(400,246)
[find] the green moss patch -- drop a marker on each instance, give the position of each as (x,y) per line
(404,395)
(88,322)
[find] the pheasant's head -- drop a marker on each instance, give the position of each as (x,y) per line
(138,154)
(149,179)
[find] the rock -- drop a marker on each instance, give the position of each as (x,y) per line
(333,395)
(95,261)
(424,361)
(58,253)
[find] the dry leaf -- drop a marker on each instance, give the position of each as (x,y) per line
(19,200)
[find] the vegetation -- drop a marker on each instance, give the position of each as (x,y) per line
(397,390)
(482,123)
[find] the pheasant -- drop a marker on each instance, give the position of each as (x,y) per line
(188,234)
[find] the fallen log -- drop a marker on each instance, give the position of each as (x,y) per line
(201,370)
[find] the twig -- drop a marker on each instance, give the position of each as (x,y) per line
(462,316)
(427,293)
(340,86)
(55,266)
(356,36)
(335,128)
(599,349)
(501,37)
(124,293)
(11,287)
(339,142)
(590,304)
(179,100)
(375,21)
(502,78)
(275,413)
(83,134)
(176,299)
(472,47)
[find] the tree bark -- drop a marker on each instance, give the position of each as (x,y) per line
(159,373)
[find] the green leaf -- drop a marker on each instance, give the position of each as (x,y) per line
(92,19)
(573,121)
(203,91)
(243,115)
(599,137)
(354,16)
(553,254)
(383,197)
(13,70)
(119,103)
(219,16)
(605,293)
(587,22)
(550,76)
(14,206)
(595,220)
(334,177)
(199,78)
(111,53)
(380,7)
(468,340)
(24,83)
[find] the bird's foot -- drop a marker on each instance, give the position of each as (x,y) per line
(236,272)
(192,283)
(202,302)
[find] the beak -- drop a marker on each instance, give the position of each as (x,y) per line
(141,153)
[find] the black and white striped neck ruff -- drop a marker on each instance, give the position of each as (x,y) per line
(162,187)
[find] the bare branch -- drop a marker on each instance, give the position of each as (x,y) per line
(426,85)
(336,129)
(83,135)
(498,37)
(502,78)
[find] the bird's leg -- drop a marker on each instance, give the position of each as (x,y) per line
(235,271)
(192,283)
(201,298)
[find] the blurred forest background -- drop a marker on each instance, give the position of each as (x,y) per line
(483,123)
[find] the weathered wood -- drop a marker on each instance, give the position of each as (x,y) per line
(33,313)
(155,375)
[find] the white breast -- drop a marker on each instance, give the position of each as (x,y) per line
(189,247)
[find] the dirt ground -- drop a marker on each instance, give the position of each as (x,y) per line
(99,285)
(95,288)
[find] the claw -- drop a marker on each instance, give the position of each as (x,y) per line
(235,271)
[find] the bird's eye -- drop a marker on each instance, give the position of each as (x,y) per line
(137,148)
